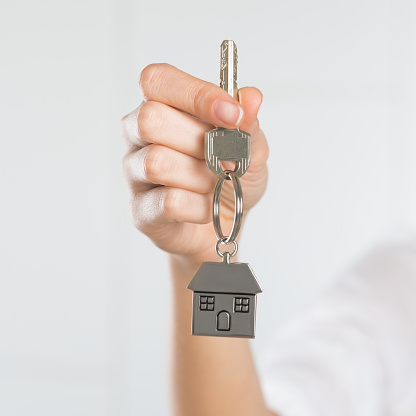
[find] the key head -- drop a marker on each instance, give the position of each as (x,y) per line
(227,145)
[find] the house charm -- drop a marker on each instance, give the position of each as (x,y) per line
(224,300)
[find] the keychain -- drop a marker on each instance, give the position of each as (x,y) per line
(224,298)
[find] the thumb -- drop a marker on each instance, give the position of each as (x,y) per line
(250,99)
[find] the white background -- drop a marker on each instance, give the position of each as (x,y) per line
(84,297)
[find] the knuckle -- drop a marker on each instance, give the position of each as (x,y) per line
(146,77)
(149,77)
(123,129)
(154,164)
(198,93)
(145,120)
(128,127)
(123,133)
(135,214)
(131,167)
(125,166)
(172,205)
(144,210)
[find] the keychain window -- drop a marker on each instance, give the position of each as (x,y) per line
(241,305)
(206,303)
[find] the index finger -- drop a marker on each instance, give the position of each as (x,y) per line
(169,85)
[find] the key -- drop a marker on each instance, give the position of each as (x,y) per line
(225,294)
(228,144)
(228,68)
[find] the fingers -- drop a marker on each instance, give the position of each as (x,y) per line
(154,122)
(250,99)
(129,129)
(167,143)
(160,165)
(169,85)
(159,206)
(169,93)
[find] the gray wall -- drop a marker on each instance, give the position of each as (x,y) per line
(82,330)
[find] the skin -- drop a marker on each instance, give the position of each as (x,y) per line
(171,203)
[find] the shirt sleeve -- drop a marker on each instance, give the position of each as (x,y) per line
(351,350)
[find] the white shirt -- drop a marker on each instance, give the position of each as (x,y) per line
(352,350)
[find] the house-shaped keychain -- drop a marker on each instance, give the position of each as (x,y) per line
(224,300)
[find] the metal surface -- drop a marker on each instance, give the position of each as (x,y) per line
(224,300)
(226,255)
(225,278)
(238,208)
(228,144)
(228,68)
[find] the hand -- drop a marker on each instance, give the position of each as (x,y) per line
(171,185)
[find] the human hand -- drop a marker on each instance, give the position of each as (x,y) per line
(171,185)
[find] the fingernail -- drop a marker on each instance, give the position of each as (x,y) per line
(228,112)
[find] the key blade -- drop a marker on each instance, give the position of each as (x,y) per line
(228,67)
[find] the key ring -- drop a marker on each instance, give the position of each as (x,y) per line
(226,254)
(224,293)
(238,210)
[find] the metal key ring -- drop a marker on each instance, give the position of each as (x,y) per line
(238,209)
(222,241)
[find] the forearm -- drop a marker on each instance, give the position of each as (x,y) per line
(210,375)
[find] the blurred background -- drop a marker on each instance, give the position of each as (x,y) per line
(84,297)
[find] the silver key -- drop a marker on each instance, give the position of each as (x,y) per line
(228,144)
(228,68)
(225,294)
